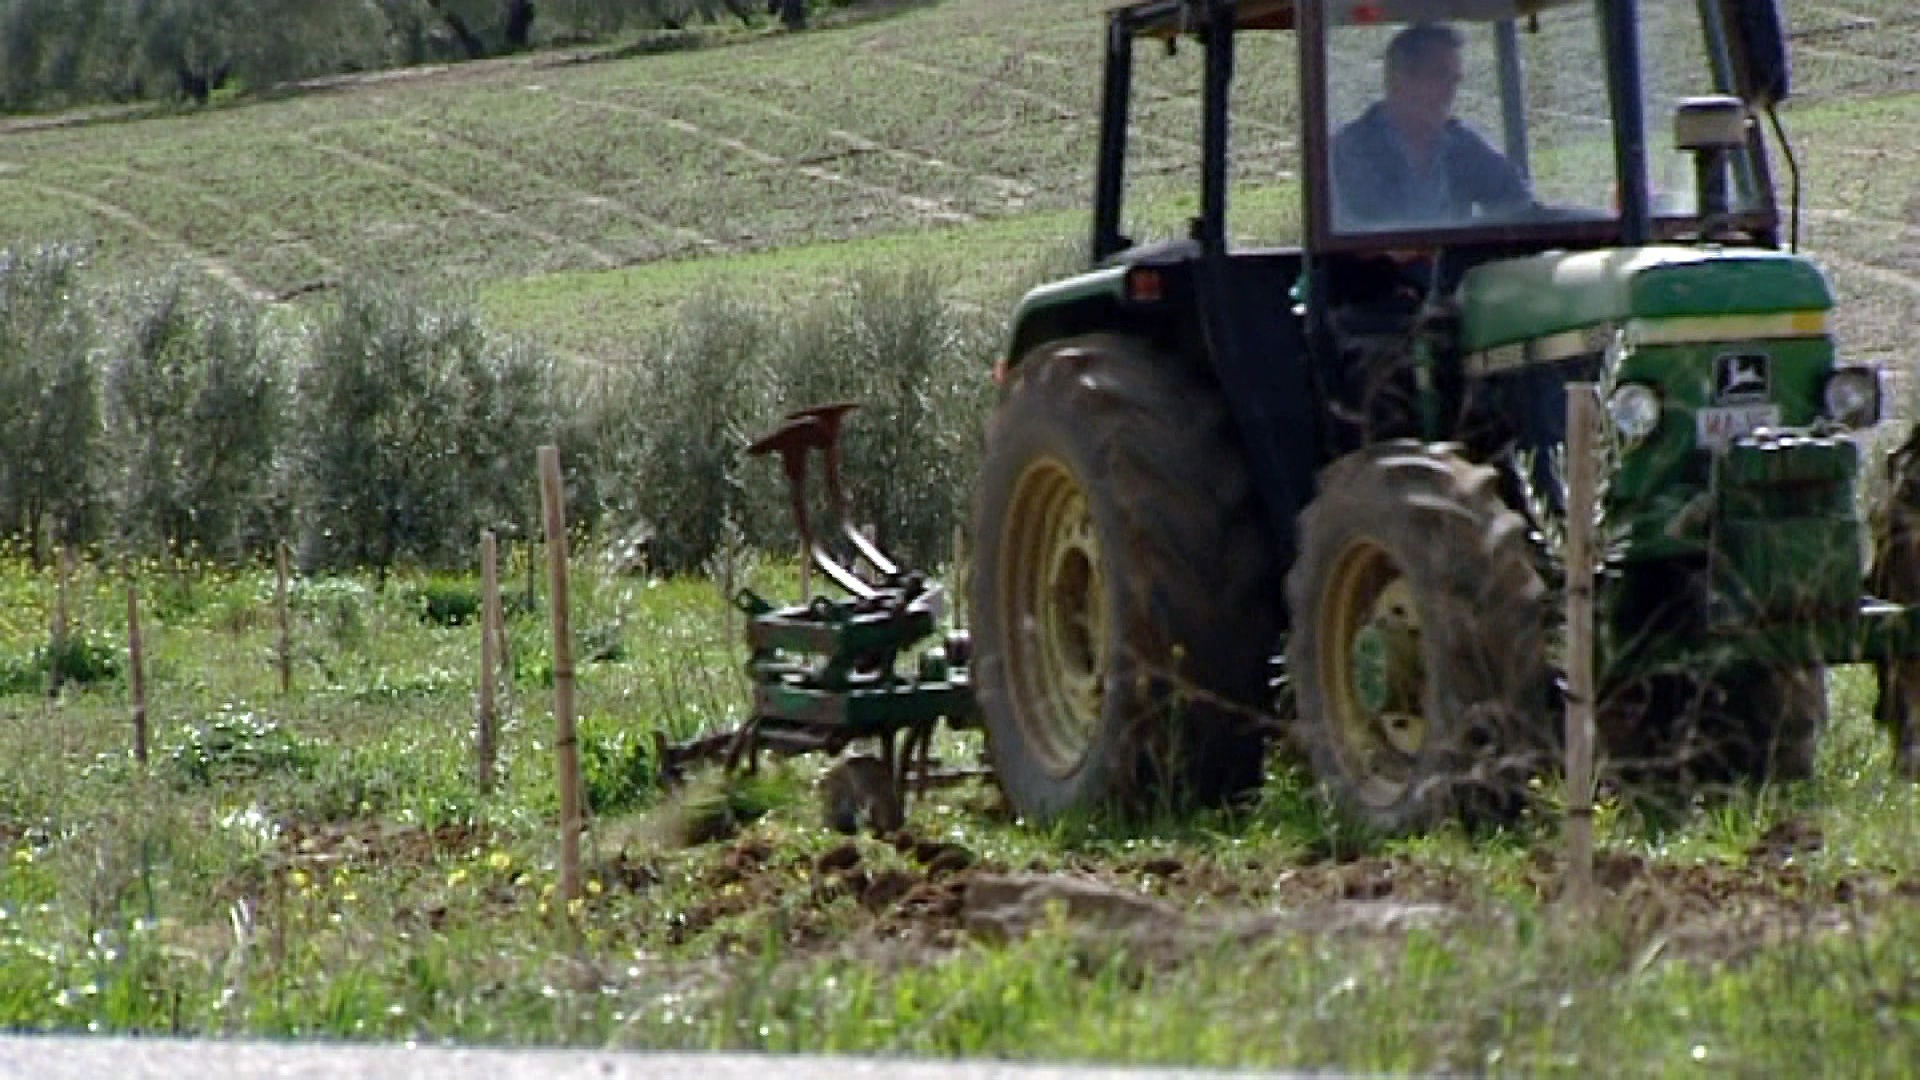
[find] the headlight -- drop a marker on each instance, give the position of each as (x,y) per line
(1853,397)
(1635,410)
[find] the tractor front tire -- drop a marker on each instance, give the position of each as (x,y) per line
(1418,648)
(1123,592)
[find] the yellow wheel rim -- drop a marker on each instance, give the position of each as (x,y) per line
(1373,672)
(1053,597)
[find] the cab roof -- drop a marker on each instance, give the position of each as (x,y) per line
(1170,18)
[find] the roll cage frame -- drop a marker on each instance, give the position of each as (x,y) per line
(1747,51)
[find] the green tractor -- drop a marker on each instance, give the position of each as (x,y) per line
(1234,497)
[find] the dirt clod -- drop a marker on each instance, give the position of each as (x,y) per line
(1785,840)
(844,857)
(750,853)
(886,887)
(1004,908)
(630,873)
(951,860)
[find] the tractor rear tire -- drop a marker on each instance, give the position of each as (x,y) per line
(1896,576)
(1124,597)
(1418,647)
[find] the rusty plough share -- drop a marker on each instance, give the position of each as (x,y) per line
(830,672)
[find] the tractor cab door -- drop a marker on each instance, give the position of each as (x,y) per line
(1251,326)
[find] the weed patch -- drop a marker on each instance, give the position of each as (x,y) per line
(233,746)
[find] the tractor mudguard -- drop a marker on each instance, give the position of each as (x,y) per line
(1109,297)
(1061,309)
(1236,312)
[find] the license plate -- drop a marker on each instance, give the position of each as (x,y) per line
(1716,427)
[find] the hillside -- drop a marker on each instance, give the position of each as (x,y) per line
(970,117)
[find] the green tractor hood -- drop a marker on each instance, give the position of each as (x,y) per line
(1525,299)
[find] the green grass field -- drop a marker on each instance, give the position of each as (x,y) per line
(321,863)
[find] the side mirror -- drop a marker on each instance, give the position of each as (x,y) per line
(1710,128)
(1760,32)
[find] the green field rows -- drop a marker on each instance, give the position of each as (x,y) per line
(944,115)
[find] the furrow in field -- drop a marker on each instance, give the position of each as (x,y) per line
(1010,191)
(1851,57)
(987,83)
(1851,217)
(622,207)
(472,206)
(332,270)
(1884,275)
(213,266)
(927,208)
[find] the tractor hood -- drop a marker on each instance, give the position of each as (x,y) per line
(1520,300)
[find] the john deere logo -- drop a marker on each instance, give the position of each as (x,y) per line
(1741,377)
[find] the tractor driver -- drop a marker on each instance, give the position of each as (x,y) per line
(1406,162)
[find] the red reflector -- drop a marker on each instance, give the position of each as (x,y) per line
(1145,286)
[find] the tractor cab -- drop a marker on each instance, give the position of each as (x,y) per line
(1430,124)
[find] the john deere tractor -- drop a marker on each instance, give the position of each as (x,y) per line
(1312,496)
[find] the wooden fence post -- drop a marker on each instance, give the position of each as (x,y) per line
(136,674)
(489,661)
(565,746)
(283,645)
(57,633)
(729,587)
(1582,408)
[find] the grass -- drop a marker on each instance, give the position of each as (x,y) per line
(321,864)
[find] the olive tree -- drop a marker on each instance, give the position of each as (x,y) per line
(49,411)
(194,399)
(415,429)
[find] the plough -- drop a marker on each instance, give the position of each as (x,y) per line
(876,664)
